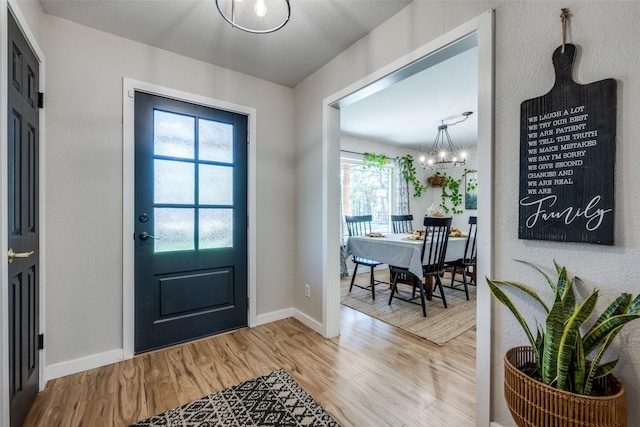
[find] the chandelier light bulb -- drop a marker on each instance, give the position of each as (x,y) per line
(260,8)
(443,154)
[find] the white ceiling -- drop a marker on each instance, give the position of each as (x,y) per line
(409,112)
(317,31)
(405,113)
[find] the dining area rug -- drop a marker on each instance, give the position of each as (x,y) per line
(441,324)
(274,399)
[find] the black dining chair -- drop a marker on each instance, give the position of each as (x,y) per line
(402,223)
(434,249)
(360,225)
(466,264)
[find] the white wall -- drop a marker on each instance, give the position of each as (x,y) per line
(524,55)
(32,12)
(526,35)
(84,178)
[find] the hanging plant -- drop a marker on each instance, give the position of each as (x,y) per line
(437,179)
(375,160)
(452,197)
(472,183)
(409,174)
(406,167)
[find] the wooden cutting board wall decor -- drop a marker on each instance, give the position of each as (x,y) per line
(567,159)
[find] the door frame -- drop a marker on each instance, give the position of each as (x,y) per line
(129,86)
(5,6)
(483,27)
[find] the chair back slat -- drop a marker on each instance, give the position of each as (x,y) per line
(402,223)
(358,225)
(434,248)
(470,248)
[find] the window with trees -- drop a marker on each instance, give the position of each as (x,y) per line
(367,191)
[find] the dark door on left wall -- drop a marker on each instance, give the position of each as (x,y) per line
(22,227)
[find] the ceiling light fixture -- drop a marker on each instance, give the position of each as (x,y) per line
(255,16)
(443,154)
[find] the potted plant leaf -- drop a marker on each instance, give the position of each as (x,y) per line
(552,382)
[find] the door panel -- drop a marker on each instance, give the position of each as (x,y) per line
(191,210)
(194,292)
(23,273)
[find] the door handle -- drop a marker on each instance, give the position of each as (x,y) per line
(11,255)
(145,236)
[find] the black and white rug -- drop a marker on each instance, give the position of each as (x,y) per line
(274,399)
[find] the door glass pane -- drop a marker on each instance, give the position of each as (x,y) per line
(174,229)
(216,185)
(215,141)
(173,135)
(173,182)
(216,228)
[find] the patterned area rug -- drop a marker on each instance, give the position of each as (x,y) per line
(273,399)
(440,325)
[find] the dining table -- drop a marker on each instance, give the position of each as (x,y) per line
(401,250)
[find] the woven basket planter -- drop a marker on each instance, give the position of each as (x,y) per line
(534,404)
(436,181)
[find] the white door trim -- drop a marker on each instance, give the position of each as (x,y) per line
(128,200)
(5,6)
(483,28)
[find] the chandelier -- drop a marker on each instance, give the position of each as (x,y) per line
(255,16)
(443,154)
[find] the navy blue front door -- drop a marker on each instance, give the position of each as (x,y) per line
(191,221)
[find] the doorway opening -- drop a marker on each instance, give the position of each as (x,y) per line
(482,28)
(399,121)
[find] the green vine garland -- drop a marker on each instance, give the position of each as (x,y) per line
(451,193)
(406,166)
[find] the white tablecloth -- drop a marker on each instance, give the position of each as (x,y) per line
(393,249)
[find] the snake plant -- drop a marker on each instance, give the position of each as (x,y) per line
(561,348)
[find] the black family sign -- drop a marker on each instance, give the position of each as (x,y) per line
(567,159)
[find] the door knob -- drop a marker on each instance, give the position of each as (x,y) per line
(145,236)
(11,255)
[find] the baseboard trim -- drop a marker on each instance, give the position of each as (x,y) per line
(101,359)
(308,321)
(494,424)
(83,364)
(290,312)
(263,319)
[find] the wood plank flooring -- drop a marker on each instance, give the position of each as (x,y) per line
(373,374)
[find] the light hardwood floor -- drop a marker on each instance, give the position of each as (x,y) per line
(373,374)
